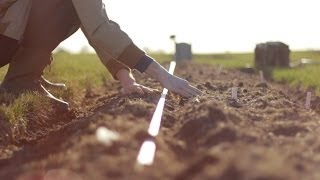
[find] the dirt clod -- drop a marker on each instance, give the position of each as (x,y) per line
(262,85)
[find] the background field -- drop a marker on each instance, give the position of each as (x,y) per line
(84,72)
(269,121)
(86,69)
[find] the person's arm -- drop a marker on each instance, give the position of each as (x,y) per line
(106,34)
(122,73)
(129,84)
(109,38)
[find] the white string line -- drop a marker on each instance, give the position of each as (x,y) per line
(148,148)
(156,118)
(147,153)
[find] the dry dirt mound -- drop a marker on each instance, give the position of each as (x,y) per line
(265,135)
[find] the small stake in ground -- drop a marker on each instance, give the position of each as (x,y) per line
(262,79)
(219,70)
(308,100)
(234,93)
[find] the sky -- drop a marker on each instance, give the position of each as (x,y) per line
(213,25)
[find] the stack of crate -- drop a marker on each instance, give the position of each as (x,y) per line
(272,54)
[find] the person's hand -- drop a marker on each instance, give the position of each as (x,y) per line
(172,82)
(129,85)
(178,85)
(136,88)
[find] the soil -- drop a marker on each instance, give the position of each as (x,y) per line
(266,134)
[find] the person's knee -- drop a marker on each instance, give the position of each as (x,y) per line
(50,24)
(8,47)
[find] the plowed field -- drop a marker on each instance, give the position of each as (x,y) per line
(266,135)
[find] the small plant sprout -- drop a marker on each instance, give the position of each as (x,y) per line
(234,93)
(262,79)
(308,100)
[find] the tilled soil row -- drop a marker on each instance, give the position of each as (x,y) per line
(266,134)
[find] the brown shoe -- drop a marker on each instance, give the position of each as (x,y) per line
(22,85)
(24,75)
(50,85)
